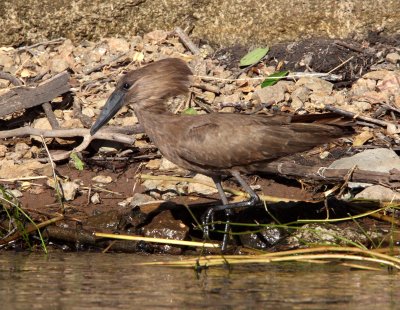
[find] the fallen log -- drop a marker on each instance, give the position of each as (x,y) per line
(21,98)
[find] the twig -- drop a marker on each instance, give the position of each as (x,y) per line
(88,71)
(356,116)
(341,65)
(207,87)
(51,42)
(58,187)
(293,75)
(349,46)
(51,117)
(187,41)
(85,120)
(11,78)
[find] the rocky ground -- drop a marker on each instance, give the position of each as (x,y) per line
(118,182)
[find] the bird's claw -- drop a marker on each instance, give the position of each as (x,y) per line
(209,214)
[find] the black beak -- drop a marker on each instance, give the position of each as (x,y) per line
(112,106)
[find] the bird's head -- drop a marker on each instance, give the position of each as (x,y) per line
(146,86)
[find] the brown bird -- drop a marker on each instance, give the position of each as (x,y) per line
(215,144)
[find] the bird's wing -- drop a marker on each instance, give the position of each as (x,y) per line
(223,142)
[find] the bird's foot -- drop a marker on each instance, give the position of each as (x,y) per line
(209,214)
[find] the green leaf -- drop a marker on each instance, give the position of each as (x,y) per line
(273,78)
(254,56)
(77,161)
(189,111)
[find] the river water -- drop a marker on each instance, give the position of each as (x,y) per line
(113,281)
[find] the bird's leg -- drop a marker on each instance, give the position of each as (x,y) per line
(210,214)
(254,199)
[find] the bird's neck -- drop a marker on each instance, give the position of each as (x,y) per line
(150,113)
(152,107)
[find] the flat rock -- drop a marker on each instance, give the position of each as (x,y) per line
(393,58)
(70,189)
(316,85)
(379,160)
(165,226)
(201,188)
(102,179)
(271,93)
(379,192)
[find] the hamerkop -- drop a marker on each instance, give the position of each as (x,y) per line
(216,144)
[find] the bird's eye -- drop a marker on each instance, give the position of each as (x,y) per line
(126,86)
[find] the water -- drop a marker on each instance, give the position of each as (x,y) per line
(112,281)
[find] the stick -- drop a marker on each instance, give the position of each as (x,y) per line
(187,41)
(356,116)
(11,78)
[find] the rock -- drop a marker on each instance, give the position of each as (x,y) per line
(360,106)
(271,93)
(153,164)
(397,101)
(379,192)
(102,179)
(327,234)
(155,187)
(21,149)
(59,114)
(373,97)
(6,61)
(200,188)
(319,100)
(70,190)
(362,137)
(58,64)
(88,112)
(16,193)
(390,84)
(263,239)
(208,96)
(302,93)
(31,167)
(3,150)
(129,121)
(227,110)
(165,226)
(316,85)
(72,123)
(156,36)
(393,58)
(41,123)
(234,98)
(95,198)
(166,165)
(108,150)
(376,75)
(118,45)
(379,160)
(136,200)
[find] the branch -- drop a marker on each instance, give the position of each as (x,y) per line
(289,169)
(109,134)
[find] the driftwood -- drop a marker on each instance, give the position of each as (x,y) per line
(289,169)
(20,98)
